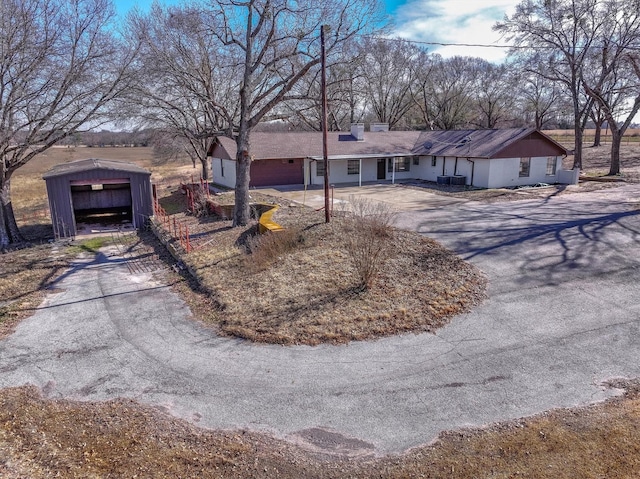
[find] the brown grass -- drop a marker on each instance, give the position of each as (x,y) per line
(41,438)
(25,276)
(309,292)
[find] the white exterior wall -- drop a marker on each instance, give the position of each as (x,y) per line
(505,172)
(338,171)
(464,168)
(224,172)
(425,171)
(481,173)
(431,173)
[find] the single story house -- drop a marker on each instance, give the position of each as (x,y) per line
(482,158)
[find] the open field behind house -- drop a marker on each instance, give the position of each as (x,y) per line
(566,137)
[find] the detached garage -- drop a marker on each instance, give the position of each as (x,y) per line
(98,191)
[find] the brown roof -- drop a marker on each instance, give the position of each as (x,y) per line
(93,164)
(460,143)
(299,144)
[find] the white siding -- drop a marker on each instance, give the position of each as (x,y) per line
(481,173)
(224,172)
(427,172)
(505,172)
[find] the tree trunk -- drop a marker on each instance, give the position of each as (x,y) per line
(243,165)
(598,135)
(9,232)
(206,167)
(616,140)
(577,153)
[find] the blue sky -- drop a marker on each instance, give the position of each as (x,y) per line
(444,21)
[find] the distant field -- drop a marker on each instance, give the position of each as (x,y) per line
(566,137)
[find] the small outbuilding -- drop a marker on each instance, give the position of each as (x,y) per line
(98,191)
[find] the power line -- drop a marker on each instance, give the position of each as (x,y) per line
(485,45)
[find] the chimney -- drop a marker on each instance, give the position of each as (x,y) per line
(357,131)
(379,127)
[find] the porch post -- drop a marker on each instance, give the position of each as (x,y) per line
(360,173)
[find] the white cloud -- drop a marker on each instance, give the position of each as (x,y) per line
(455,21)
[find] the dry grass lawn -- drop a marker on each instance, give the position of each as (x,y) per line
(310,294)
(41,438)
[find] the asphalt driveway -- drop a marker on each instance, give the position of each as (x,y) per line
(562,317)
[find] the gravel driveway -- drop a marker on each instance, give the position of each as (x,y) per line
(562,317)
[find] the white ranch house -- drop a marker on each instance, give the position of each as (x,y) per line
(480,158)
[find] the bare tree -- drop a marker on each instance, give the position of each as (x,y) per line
(541,98)
(597,117)
(564,31)
(61,65)
(615,88)
(277,42)
(493,94)
(346,98)
(389,77)
(187,82)
(444,92)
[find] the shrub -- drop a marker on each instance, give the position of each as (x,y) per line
(369,238)
(265,249)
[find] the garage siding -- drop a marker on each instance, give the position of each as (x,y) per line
(277,172)
(61,197)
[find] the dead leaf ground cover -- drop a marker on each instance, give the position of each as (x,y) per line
(41,438)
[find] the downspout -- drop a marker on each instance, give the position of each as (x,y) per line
(455,167)
(360,173)
(444,161)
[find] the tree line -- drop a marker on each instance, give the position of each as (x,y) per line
(200,69)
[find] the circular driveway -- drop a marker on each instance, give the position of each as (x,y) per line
(562,317)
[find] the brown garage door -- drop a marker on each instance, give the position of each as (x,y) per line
(277,172)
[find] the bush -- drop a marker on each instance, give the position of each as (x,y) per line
(369,238)
(265,249)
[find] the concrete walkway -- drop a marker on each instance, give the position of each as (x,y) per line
(562,317)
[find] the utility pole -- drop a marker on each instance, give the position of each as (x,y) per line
(325,155)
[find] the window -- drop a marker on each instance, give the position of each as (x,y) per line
(353,167)
(401,164)
(320,168)
(525,164)
(434,161)
(551,165)
(221,167)
(416,160)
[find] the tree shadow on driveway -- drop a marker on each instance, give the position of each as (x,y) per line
(543,240)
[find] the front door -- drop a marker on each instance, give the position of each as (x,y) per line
(382,168)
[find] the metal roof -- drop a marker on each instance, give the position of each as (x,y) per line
(93,164)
